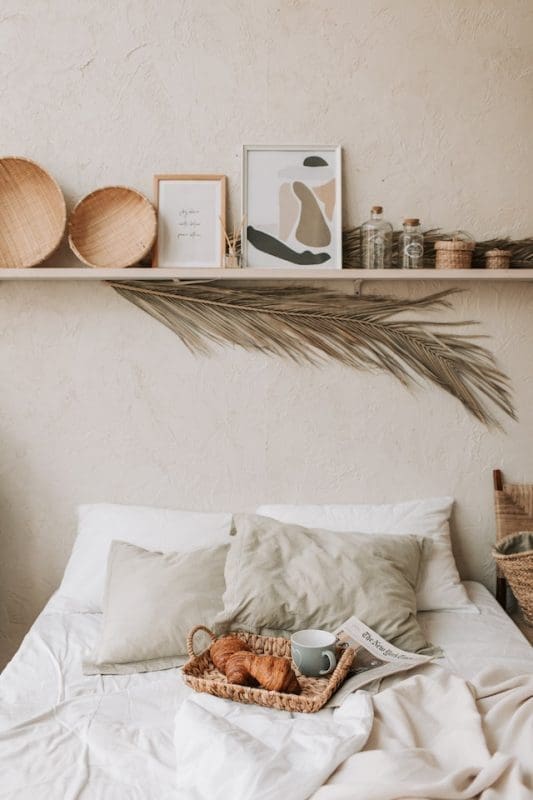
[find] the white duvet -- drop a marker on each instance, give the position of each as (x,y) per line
(64,735)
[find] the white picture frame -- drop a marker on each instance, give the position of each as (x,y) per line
(191,216)
(292,211)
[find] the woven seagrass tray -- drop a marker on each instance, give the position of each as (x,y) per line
(201,675)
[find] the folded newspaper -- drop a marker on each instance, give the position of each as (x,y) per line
(374,659)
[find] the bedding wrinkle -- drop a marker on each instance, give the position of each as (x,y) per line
(55,661)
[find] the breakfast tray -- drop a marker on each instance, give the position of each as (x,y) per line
(201,675)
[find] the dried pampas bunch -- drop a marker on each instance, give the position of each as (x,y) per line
(309,325)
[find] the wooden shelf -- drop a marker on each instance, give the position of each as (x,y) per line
(200,273)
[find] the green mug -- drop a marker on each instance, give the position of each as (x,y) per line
(313,652)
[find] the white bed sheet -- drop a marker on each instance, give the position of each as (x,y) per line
(65,735)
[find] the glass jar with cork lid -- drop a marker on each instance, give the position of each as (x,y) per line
(376,241)
(411,245)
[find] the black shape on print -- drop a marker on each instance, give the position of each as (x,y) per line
(315,161)
(269,244)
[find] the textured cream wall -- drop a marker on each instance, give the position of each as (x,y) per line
(433,104)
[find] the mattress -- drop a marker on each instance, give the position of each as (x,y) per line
(65,735)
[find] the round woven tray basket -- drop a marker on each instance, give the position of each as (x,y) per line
(514,556)
(454,254)
(112,227)
(33,213)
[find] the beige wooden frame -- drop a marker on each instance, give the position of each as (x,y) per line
(204,177)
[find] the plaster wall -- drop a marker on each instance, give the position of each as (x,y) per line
(433,105)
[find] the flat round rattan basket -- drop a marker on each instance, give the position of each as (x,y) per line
(32,213)
(112,227)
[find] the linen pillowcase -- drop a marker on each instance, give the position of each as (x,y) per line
(281,578)
(152,600)
(439,585)
(163,529)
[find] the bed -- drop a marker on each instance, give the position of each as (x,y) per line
(66,735)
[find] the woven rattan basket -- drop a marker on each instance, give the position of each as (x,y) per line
(514,556)
(112,227)
(32,213)
(497,259)
(454,254)
(201,675)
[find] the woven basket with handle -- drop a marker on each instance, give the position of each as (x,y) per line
(201,675)
(514,556)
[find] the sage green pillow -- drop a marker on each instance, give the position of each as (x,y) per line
(283,578)
(151,602)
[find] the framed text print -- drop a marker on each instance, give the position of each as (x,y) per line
(191,214)
(292,207)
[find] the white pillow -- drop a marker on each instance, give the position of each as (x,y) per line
(439,586)
(162,529)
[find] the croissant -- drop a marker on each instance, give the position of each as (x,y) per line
(238,671)
(223,648)
(271,672)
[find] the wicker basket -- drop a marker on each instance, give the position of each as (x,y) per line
(454,254)
(112,227)
(201,675)
(497,259)
(32,213)
(514,556)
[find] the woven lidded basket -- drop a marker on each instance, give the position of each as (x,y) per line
(514,556)
(201,675)
(112,227)
(497,259)
(454,254)
(32,213)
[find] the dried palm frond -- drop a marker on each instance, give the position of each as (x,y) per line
(309,325)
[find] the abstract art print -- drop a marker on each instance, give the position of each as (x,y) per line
(191,215)
(292,207)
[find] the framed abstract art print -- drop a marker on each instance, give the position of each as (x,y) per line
(291,199)
(191,215)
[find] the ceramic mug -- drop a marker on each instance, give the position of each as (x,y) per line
(313,652)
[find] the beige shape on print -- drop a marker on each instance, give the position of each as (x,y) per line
(326,193)
(288,211)
(312,230)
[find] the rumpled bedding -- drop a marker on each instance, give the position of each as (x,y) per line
(226,749)
(65,736)
(434,736)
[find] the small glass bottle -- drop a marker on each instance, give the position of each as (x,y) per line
(376,241)
(411,245)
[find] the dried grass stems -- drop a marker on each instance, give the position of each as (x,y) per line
(521,249)
(233,242)
(311,325)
